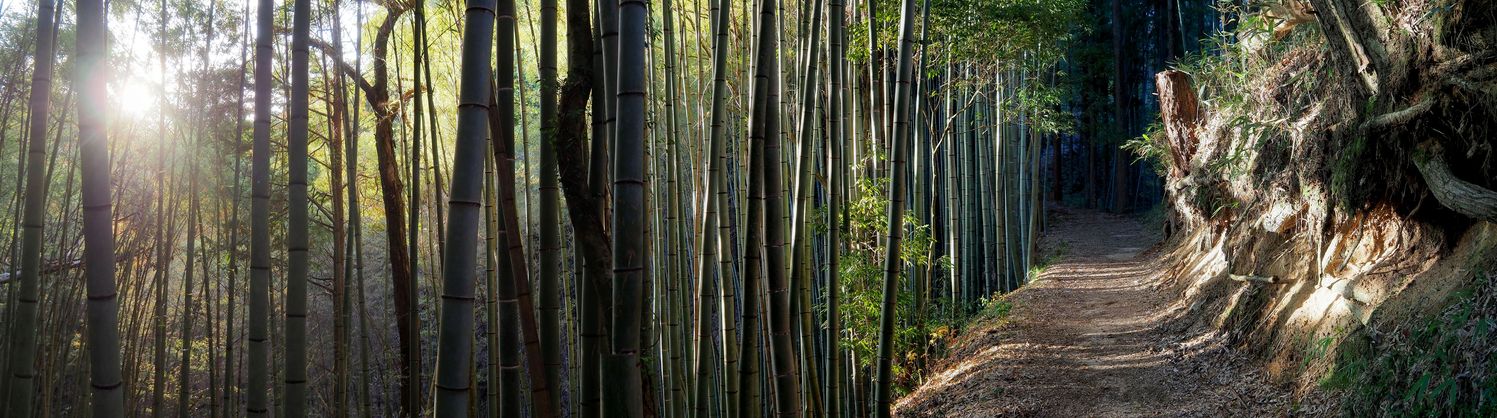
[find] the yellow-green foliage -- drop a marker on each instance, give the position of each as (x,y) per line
(984,30)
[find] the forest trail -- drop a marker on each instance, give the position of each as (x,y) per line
(1092,338)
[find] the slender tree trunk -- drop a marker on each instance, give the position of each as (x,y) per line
(339,127)
(413,377)
(364,381)
(710,238)
(438,162)
(296,245)
(766,231)
(728,270)
(953,238)
(194,233)
(98,217)
(529,212)
(836,137)
(355,262)
(971,209)
(12,297)
(231,382)
(787,380)
(453,379)
(550,205)
(676,351)
(579,176)
(544,398)
(748,356)
(23,327)
(211,294)
(800,239)
(546,355)
(892,262)
(1120,194)
(184,379)
(704,369)
(393,203)
(491,279)
(259,312)
(994,137)
(623,375)
(163,252)
(923,170)
(878,132)
(612,368)
(509,338)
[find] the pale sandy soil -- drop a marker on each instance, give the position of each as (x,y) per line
(1091,339)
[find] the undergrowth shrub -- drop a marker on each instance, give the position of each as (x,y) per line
(1258,90)
(994,308)
(862,281)
(1445,365)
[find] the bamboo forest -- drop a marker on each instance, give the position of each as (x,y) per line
(748,208)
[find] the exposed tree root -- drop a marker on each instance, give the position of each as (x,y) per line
(1399,117)
(1459,195)
(1255,279)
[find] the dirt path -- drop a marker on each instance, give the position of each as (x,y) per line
(1091,339)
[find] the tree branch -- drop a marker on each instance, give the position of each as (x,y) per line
(1399,117)
(374,91)
(343,67)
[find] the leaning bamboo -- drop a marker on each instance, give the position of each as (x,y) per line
(892,262)
(800,239)
(453,377)
(711,238)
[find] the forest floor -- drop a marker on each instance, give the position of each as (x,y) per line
(1093,338)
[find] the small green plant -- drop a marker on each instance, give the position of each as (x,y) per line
(862,279)
(1152,147)
(1048,260)
(1319,347)
(995,307)
(1350,364)
(1441,366)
